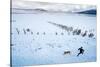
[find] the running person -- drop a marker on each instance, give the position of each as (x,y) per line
(81,51)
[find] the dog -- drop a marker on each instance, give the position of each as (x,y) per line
(67,52)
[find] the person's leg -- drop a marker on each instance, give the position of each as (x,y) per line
(82,52)
(78,54)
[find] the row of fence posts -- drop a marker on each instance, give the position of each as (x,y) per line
(28,30)
(74,32)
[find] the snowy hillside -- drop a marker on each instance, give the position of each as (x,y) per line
(50,33)
(35,41)
(92,11)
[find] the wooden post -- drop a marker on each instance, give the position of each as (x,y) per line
(24,31)
(17,30)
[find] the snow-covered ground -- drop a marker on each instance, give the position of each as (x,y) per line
(36,47)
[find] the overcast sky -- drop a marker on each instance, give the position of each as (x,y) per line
(29,4)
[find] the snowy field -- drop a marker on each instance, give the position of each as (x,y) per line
(37,42)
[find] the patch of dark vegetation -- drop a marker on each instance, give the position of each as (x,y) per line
(37,33)
(17,31)
(62,33)
(76,32)
(28,30)
(24,31)
(90,35)
(44,33)
(84,34)
(56,33)
(39,48)
(31,32)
